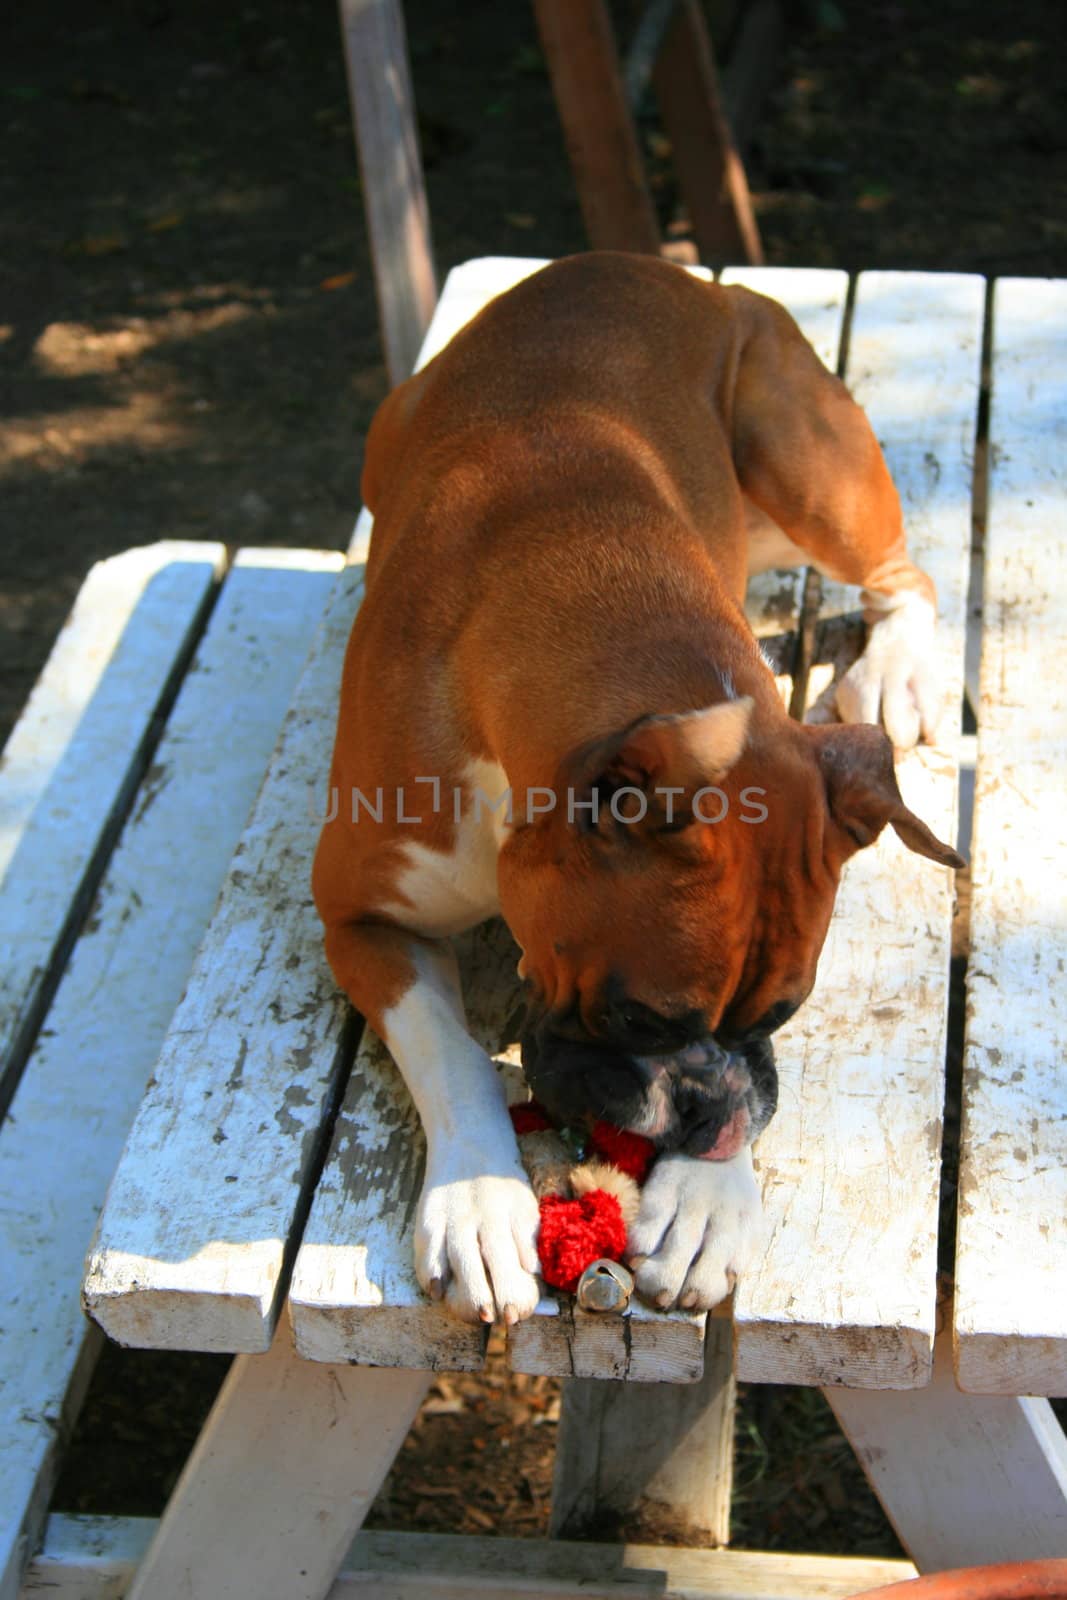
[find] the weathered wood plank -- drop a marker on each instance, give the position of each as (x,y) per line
(640,1346)
(283,1473)
(710,172)
(391,1566)
(75,757)
(850,1165)
(94,1558)
(394,196)
(87,1558)
(1011,1247)
(89,1067)
(192,1245)
(753,67)
(579,46)
(627,1452)
(964,1479)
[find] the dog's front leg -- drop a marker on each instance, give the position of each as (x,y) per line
(699,1227)
(476,1230)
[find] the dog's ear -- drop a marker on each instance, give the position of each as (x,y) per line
(680,752)
(861,787)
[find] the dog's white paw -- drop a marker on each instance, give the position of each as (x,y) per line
(896,679)
(476,1238)
(699,1227)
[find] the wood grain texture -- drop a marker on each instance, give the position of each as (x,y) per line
(753,67)
(87,1558)
(709,169)
(626,1451)
(285,1469)
(104,1030)
(109,1016)
(414,1566)
(1011,1247)
(640,1346)
(394,196)
(579,46)
(850,1165)
(964,1479)
(75,757)
(94,1558)
(192,1245)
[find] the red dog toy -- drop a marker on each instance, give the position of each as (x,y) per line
(586,1209)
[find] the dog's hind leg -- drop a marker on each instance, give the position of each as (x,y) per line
(807,457)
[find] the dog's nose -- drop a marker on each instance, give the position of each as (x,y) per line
(701,1058)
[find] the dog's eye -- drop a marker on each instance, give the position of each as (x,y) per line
(644,1029)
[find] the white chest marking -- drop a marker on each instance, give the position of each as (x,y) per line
(448,891)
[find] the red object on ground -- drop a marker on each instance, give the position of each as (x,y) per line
(1005,1580)
(577,1232)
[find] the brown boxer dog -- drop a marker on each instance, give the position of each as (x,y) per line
(553,708)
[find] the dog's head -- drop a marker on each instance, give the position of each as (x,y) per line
(671,908)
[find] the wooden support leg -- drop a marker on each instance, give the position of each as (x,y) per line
(752,68)
(580,50)
(632,1451)
(964,1479)
(709,169)
(279,1481)
(398,219)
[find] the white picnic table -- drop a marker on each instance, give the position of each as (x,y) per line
(184,1087)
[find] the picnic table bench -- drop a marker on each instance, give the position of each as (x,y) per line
(181,1075)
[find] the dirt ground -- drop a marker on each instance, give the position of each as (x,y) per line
(188,348)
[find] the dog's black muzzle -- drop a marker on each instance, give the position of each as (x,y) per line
(701,1099)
